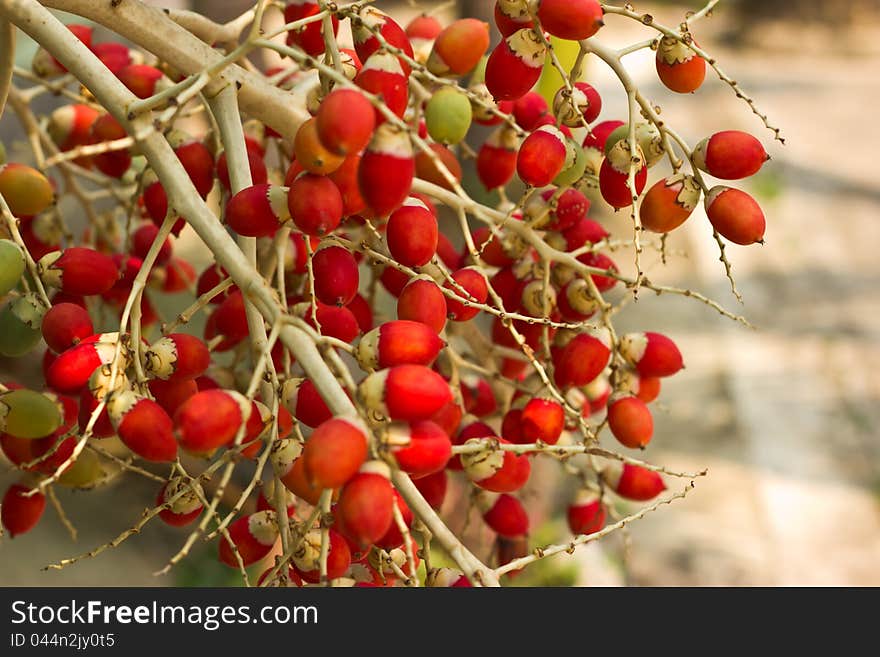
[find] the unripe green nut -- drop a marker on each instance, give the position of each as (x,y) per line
(570,174)
(448,116)
(85,472)
(20,323)
(11,265)
(647,137)
(28,414)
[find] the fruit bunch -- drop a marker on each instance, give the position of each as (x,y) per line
(358,352)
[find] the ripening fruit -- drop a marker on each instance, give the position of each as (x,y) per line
(495,469)
(630,421)
(586,515)
(73,367)
(475,290)
(418,448)
(422,301)
(26,190)
(71,125)
(405,392)
(307,559)
(366,42)
(336,275)
(412,234)
(28,414)
(334,452)
(459,47)
(735,215)
(614,175)
(582,358)
(143,426)
(252,537)
(346,180)
(64,325)
(310,152)
(315,204)
(583,100)
(383,76)
(570,19)
(141,79)
(20,323)
(184,505)
(365,508)
(309,37)
(386,170)
(515,65)
(78,270)
(301,398)
(111,163)
(680,69)
(177,356)
(345,122)
(497,157)
(633,481)
(542,156)
(12,264)
(258,211)
(448,115)
(542,419)
(651,354)
(512,15)
(399,342)
(21,513)
(505,514)
(429,170)
(730,155)
(211,419)
(669,202)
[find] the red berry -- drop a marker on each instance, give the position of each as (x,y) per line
(412,234)
(471,286)
(258,211)
(496,470)
(386,170)
(143,425)
(680,69)
(630,421)
(400,342)
(541,156)
(669,202)
(315,204)
(178,356)
(633,481)
(252,537)
(185,508)
(334,452)
(345,121)
(20,513)
(570,19)
(504,514)
(211,419)
(730,155)
(336,275)
(422,301)
(405,392)
(366,502)
(735,215)
(418,448)
(515,65)
(302,399)
(459,47)
(78,270)
(64,325)
(586,515)
(652,354)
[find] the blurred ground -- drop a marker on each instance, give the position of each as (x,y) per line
(784,417)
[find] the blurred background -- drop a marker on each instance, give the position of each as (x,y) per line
(784,417)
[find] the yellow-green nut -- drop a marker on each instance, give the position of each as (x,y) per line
(448,115)
(20,322)
(83,473)
(572,172)
(2,153)
(26,190)
(11,265)
(28,414)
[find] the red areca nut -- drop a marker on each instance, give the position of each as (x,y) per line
(73,367)
(78,270)
(211,419)
(428,169)
(177,355)
(512,15)
(335,451)
(142,240)
(651,354)
(315,204)
(582,100)
(570,19)
(65,325)
(601,261)
(504,513)
(258,211)
(115,56)
(142,80)
(614,174)
(735,215)
(405,392)
(182,498)
(630,421)
(477,396)
(346,180)
(515,65)
(336,321)
(459,47)
(309,37)
(422,301)
(365,511)
(393,538)
(398,342)
(433,488)
(542,420)
(497,157)
(383,76)
(26,190)
(256,164)
(45,65)
(336,275)
(680,68)
(143,426)
(307,559)
(252,537)
(541,156)
(111,163)
(311,154)
(633,482)
(196,160)
(530,111)
(71,126)
(476,290)
(371,20)
(421,32)
(575,300)
(171,394)
(730,155)
(646,388)
(301,398)
(448,577)
(412,233)
(495,469)
(386,170)
(581,357)
(266,498)
(586,514)
(20,512)
(669,202)
(345,121)
(569,208)
(418,448)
